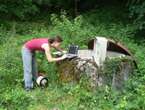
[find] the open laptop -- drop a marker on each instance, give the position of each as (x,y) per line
(72,51)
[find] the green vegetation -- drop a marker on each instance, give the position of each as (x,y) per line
(109,21)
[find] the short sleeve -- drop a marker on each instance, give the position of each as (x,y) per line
(44,45)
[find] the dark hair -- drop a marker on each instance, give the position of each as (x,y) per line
(55,39)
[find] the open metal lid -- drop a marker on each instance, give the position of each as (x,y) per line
(114,47)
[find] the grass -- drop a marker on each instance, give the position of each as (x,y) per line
(100,22)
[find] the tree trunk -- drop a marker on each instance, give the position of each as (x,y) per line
(76,7)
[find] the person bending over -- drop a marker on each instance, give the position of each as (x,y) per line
(29,60)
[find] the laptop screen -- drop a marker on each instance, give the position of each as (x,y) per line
(73,49)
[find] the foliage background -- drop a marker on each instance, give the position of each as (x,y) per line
(22,20)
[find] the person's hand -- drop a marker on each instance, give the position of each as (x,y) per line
(64,56)
(64,52)
(57,53)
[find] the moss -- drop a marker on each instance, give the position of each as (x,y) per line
(67,71)
(114,71)
(115,65)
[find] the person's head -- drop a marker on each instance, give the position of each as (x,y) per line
(56,41)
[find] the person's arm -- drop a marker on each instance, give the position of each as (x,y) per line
(48,54)
(59,49)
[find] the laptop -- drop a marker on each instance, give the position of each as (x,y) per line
(72,51)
